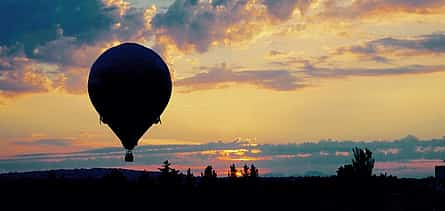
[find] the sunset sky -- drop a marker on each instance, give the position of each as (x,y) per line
(267,72)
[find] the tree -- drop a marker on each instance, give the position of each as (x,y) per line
(362,164)
(253,171)
(165,169)
(209,173)
(245,171)
(345,171)
(232,171)
(189,176)
(167,172)
(189,173)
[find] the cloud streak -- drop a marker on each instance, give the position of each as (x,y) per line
(323,72)
(381,50)
(287,80)
(47,142)
(222,76)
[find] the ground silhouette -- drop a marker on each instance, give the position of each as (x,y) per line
(115,189)
(170,189)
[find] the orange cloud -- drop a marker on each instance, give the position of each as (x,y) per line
(344,154)
(375,8)
(27,78)
(201,24)
(122,5)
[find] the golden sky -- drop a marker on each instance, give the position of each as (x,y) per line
(259,70)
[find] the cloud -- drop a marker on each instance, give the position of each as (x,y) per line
(36,23)
(398,157)
(365,8)
(380,50)
(222,76)
(51,44)
(196,25)
(47,142)
(390,151)
(377,49)
(290,80)
(28,78)
(283,9)
(274,53)
(344,154)
(11,57)
(325,72)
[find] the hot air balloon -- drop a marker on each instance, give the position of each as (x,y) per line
(129,86)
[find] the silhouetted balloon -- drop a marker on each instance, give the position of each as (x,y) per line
(130,86)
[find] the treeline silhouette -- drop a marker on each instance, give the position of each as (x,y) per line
(353,188)
(173,176)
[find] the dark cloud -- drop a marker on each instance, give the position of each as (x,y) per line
(220,76)
(282,9)
(131,25)
(31,23)
(57,51)
(47,142)
(402,157)
(63,49)
(68,35)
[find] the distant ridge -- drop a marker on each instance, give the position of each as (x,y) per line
(77,174)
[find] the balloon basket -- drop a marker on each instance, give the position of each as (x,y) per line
(129,156)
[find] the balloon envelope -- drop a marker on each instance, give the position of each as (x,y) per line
(129,85)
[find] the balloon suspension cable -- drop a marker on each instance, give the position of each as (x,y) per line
(129,156)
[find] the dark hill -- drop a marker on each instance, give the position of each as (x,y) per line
(104,189)
(76,174)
